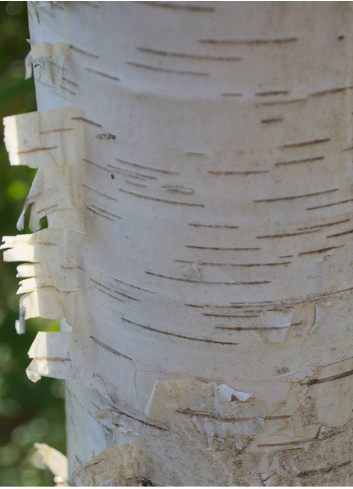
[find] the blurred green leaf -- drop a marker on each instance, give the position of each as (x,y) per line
(17,190)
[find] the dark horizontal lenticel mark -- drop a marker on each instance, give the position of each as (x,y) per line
(109,348)
(200,57)
(166,70)
(322,250)
(36,150)
(157,199)
(100,73)
(248,41)
(305,143)
(292,197)
(303,160)
(176,6)
(191,338)
(88,121)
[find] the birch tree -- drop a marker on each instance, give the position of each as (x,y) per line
(195,166)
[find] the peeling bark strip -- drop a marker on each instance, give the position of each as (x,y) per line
(190,336)
(51,356)
(51,68)
(58,247)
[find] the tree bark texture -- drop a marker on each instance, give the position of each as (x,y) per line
(195,165)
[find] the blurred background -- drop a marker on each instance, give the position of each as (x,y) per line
(29,412)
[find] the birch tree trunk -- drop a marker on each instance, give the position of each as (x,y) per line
(195,165)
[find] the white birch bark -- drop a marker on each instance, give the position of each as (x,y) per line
(196,170)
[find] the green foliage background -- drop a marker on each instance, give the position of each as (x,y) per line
(29,412)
